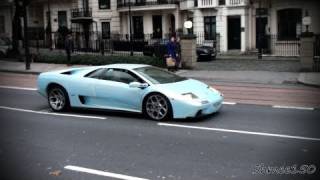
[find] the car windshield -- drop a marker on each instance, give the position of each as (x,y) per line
(158,76)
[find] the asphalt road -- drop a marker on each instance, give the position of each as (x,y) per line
(232,144)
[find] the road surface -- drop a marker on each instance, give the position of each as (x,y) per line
(242,141)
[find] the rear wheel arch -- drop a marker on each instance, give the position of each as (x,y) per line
(52,86)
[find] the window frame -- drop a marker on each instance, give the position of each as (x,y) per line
(105,34)
(212,24)
(106,3)
(222,2)
(3,25)
(61,16)
(286,31)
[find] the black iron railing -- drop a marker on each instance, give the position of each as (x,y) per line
(81,12)
(281,47)
(316,55)
(126,3)
(119,44)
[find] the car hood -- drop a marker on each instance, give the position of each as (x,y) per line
(188,86)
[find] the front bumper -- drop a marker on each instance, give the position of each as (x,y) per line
(190,110)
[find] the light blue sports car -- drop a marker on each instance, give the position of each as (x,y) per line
(157,93)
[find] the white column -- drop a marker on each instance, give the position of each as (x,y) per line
(124,24)
(165,24)
(253,30)
(221,29)
(184,19)
(198,26)
(177,19)
(128,25)
(115,22)
(147,23)
(243,33)
(273,21)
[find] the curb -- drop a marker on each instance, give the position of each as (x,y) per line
(313,81)
(241,81)
(309,84)
(20,71)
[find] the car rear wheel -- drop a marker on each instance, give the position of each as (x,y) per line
(157,107)
(58,99)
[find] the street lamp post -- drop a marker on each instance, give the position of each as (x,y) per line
(23,6)
(49,33)
(260,32)
(130,29)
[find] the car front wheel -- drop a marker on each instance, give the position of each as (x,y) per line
(157,107)
(58,99)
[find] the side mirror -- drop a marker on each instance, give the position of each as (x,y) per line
(138,85)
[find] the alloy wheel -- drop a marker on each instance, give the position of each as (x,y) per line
(157,107)
(57,99)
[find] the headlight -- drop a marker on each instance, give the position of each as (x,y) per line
(190,96)
(215,91)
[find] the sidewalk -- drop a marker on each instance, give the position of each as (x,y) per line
(244,76)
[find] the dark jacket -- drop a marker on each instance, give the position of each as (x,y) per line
(68,45)
(172,49)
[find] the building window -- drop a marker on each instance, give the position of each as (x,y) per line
(2,25)
(210,27)
(104,4)
(222,2)
(62,19)
(105,28)
(289,24)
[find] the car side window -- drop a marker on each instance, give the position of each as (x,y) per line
(119,75)
(96,73)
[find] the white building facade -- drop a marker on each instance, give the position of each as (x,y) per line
(236,25)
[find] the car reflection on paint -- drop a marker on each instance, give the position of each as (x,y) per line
(157,93)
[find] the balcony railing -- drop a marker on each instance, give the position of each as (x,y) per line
(236,2)
(126,3)
(215,3)
(187,4)
(207,3)
(81,13)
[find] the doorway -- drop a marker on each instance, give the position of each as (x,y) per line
(234,32)
(261,25)
(157,26)
(137,27)
(173,24)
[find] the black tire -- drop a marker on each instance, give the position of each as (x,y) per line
(59,96)
(146,110)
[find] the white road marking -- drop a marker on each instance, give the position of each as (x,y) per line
(293,107)
(229,103)
(102,173)
(19,88)
(241,132)
(51,113)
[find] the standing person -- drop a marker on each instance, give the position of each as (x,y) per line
(172,49)
(69,47)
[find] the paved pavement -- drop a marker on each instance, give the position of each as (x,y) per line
(238,64)
(233,75)
(240,142)
(262,77)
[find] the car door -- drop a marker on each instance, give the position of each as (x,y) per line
(113,92)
